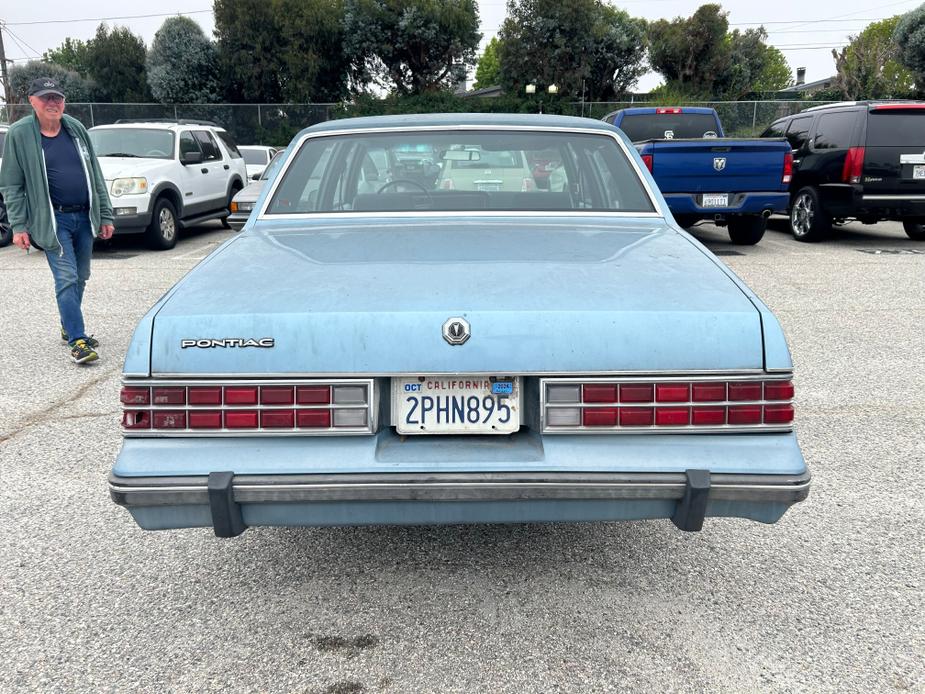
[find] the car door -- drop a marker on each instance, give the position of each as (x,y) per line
(193,177)
(215,179)
(798,135)
(834,134)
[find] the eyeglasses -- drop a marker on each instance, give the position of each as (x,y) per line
(57,98)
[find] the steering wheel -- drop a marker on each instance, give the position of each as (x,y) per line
(399,181)
(155,153)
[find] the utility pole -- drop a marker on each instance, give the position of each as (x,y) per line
(4,75)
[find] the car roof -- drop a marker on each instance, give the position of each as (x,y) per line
(423,120)
(154,125)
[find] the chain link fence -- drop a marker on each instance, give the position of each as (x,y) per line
(275,124)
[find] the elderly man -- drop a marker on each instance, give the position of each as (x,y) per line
(56,200)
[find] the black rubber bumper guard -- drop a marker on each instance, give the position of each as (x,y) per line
(227,520)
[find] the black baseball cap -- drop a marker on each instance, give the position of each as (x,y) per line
(43,86)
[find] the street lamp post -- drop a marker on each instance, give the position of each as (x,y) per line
(530,90)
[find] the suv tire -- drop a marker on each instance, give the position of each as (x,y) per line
(914,230)
(162,231)
(747,230)
(808,221)
(235,189)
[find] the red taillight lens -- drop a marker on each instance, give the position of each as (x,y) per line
(313,395)
(661,111)
(132,395)
(277,419)
(241,395)
(241,419)
(170,396)
(207,395)
(136,419)
(788,168)
(313,419)
(854,165)
(276,395)
(209,419)
(610,406)
(169,420)
(647,160)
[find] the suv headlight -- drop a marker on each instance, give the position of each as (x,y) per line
(129,186)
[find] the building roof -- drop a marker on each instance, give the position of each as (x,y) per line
(809,86)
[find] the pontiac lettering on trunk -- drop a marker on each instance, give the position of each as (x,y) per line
(228,342)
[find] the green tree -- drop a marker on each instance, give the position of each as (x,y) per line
(584,47)
(116,62)
(72,55)
(690,52)
(413,46)
(78,89)
(488,71)
(746,65)
(776,73)
(869,68)
(181,64)
(909,38)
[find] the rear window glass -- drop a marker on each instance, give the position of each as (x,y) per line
(775,130)
(666,126)
(896,129)
(798,132)
(835,130)
(460,171)
(230,144)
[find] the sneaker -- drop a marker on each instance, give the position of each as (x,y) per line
(82,352)
(92,341)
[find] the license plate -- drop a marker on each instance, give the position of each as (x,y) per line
(456,405)
(488,187)
(918,171)
(715,200)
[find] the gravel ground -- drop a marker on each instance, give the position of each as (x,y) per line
(829,599)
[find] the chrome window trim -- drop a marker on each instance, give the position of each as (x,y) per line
(264,216)
(663,428)
(371,407)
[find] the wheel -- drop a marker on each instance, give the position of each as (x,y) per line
(162,231)
(235,189)
(747,230)
(808,221)
(686,221)
(914,231)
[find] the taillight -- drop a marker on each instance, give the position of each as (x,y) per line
(667,110)
(306,407)
(615,405)
(788,168)
(647,160)
(854,164)
(447,184)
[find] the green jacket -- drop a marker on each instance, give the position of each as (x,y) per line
(24,182)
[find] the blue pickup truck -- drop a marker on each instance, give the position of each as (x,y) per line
(703,174)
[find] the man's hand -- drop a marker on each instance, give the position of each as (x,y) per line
(106,231)
(21,240)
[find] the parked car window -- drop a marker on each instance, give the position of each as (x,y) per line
(798,132)
(463,171)
(776,129)
(660,126)
(255,157)
(132,142)
(210,150)
(230,144)
(896,129)
(188,143)
(835,130)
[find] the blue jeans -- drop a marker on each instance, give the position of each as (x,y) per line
(71,269)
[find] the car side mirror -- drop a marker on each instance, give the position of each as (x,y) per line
(191,158)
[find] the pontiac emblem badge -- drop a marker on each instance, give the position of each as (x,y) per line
(456,330)
(719,163)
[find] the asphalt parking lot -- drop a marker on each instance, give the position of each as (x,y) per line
(831,598)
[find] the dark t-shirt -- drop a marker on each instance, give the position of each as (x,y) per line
(67,182)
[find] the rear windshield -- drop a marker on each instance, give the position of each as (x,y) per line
(667,126)
(254,156)
(896,128)
(460,170)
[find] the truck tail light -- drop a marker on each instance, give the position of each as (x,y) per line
(647,160)
(253,407)
(788,168)
(447,184)
(667,405)
(661,111)
(854,164)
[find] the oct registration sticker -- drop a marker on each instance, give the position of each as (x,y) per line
(456,405)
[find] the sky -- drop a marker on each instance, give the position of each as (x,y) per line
(805,31)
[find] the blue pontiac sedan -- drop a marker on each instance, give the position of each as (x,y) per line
(449,339)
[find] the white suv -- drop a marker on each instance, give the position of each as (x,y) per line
(164,175)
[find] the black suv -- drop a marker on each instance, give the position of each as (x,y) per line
(860,160)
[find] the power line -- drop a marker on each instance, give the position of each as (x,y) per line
(107,19)
(19,40)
